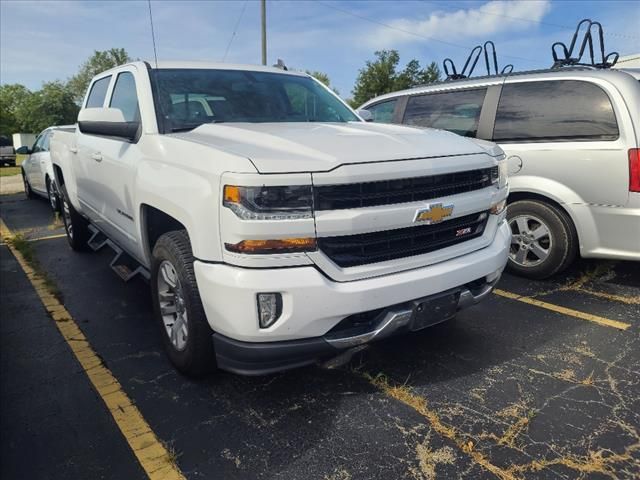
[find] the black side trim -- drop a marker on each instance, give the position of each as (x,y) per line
(262,358)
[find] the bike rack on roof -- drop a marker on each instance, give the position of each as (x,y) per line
(567,59)
(472,60)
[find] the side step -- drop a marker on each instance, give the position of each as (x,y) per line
(122,264)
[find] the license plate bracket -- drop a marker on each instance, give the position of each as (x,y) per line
(434,310)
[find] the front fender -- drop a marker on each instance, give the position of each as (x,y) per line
(188,197)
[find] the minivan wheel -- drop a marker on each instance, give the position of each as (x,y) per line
(543,240)
(177,305)
(75,226)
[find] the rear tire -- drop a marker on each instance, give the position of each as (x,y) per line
(52,195)
(177,306)
(27,188)
(544,240)
(75,226)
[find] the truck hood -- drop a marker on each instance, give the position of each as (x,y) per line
(320,147)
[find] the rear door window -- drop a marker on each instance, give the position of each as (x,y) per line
(456,111)
(125,98)
(98,93)
(551,111)
(383,112)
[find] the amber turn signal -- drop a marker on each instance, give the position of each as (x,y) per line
(231,194)
(285,245)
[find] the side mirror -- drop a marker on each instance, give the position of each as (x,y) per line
(24,150)
(108,122)
(366,115)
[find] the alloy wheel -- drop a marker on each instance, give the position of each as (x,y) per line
(66,215)
(531,240)
(172,305)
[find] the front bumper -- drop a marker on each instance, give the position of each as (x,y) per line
(262,358)
(313,304)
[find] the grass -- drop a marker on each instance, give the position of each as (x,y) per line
(20,243)
(9,171)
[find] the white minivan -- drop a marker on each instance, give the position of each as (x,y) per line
(571,136)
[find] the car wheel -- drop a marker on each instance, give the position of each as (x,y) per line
(52,195)
(543,240)
(75,226)
(177,305)
(27,188)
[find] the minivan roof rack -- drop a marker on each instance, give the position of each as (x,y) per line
(566,57)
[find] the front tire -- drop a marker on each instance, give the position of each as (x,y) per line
(75,226)
(177,305)
(543,241)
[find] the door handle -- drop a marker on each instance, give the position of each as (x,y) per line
(73,149)
(97,156)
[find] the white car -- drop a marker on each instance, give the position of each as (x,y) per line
(275,225)
(572,138)
(37,170)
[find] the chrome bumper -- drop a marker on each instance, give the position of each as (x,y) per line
(395,318)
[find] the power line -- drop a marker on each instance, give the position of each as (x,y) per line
(408,32)
(539,22)
(233,35)
(153,35)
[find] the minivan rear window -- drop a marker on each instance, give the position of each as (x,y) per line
(551,111)
(457,111)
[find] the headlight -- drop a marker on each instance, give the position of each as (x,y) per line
(499,174)
(269,203)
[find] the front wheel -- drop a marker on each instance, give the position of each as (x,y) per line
(177,305)
(75,226)
(543,240)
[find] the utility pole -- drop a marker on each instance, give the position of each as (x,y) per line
(263,11)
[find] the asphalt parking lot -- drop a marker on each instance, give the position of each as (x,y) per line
(540,381)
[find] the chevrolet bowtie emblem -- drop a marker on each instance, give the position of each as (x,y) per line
(434,213)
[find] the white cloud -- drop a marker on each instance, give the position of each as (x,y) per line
(453,26)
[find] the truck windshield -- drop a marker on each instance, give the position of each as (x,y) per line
(188,98)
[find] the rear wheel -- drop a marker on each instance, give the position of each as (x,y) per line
(75,226)
(177,305)
(543,240)
(27,188)
(52,195)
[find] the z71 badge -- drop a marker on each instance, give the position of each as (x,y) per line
(434,213)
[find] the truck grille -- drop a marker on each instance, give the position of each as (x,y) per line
(387,192)
(362,249)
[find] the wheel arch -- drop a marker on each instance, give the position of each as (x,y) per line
(154,223)
(523,195)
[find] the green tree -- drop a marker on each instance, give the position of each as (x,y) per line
(381,76)
(12,99)
(98,62)
(52,105)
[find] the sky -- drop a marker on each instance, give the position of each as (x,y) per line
(48,40)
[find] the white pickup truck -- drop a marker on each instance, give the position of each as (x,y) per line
(275,225)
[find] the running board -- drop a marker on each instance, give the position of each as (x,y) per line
(122,264)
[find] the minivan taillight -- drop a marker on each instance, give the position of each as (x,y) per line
(634,170)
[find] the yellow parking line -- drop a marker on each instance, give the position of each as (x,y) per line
(154,458)
(564,310)
(48,237)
